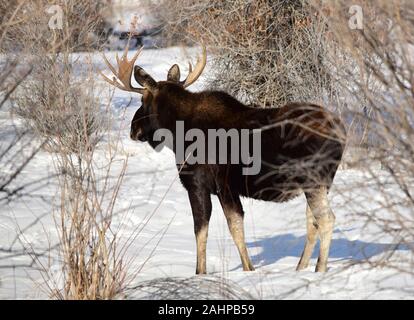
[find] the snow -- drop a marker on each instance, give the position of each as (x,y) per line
(165,248)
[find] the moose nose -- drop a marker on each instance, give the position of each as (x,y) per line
(135,136)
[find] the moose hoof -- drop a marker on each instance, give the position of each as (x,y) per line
(301,267)
(321,268)
(249,268)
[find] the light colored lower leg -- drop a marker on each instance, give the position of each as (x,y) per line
(236,227)
(311,237)
(326,223)
(201,240)
(325,220)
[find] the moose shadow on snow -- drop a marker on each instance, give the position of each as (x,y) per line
(272,249)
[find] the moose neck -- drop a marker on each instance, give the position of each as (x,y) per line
(173,104)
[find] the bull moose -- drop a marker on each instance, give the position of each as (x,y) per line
(301,147)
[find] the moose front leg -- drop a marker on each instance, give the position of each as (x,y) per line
(200,201)
(233,211)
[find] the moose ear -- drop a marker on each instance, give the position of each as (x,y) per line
(174,74)
(144,79)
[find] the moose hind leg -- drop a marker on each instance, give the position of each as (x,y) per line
(325,219)
(234,215)
(311,238)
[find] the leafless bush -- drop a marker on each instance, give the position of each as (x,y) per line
(83,25)
(266,52)
(60,107)
(377,81)
(15,139)
(58,99)
(58,102)
(195,288)
(93,265)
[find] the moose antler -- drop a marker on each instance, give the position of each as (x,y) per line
(194,75)
(122,77)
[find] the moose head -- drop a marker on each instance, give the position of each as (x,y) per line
(144,122)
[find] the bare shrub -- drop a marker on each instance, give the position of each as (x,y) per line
(93,267)
(16,147)
(377,82)
(58,99)
(194,288)
(83,25)
(267,53)
(61,107)
(58,103)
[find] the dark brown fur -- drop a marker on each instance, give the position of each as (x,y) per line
(302,145)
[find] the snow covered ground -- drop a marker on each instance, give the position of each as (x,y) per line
(166,246)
